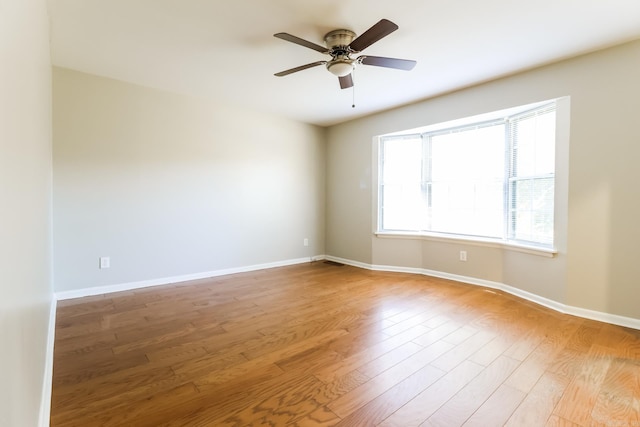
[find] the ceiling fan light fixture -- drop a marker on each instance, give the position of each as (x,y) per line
(340,67)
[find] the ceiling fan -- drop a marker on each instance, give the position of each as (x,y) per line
(341,44)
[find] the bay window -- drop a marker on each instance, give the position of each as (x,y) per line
(490,179)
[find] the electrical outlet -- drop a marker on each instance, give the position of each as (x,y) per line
(463,255)
(305,242)
(105,262)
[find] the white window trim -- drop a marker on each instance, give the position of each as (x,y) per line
(548,252)
(469,240)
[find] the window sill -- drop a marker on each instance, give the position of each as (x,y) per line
(475,241)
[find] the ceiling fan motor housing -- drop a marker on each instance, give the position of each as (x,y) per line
(338,39)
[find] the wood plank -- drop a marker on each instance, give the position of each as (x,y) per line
(535,365)
(538,404)
(368,354)
(581,394)
(293,400)
(104,387)
(463,350)
(497,409)
(358,397)
(387,403)
(390,359)
(618,400)
(242,369)
(493,349)
(555,421)
(153,408)
(461,406)
(424,404)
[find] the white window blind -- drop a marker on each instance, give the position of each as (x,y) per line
(532,176)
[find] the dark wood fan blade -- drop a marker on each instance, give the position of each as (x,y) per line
(380,61)
(297,40)
(300,68)
(346,81)
(372,35)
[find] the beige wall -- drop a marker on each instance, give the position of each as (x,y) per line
(167,185)
(25,212)
(597,205)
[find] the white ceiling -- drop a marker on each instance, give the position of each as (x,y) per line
(225,50)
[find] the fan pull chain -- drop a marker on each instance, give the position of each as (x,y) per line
(353,89)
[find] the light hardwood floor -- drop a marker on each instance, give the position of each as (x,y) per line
(320,344)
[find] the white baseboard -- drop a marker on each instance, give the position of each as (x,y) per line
(349,262)
(47,383)
(554,305)
(99,290)
(614,319)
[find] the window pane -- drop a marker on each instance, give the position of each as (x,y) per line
(403,206)
(532,210)
(403,209)
(469,155)
(534,142)
(467,208)
(467,177)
